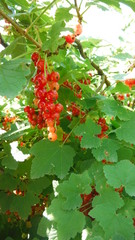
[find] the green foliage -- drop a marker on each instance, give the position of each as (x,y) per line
(88,130)
(70,190)
(106,205)
(126,131)
(73,220)
(107,150)
(12,77)
(57,159)
(83,183)
(122,174)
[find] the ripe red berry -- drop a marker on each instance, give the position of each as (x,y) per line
(52,95)
(50,122)
(70,38)
(54,76)
(120,97)
(41,65)
(54,86)
(35,56)
(27,109)
(58,107)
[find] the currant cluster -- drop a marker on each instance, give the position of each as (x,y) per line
(87,202)
(12,216)
(71,38)
(130,82)
(75,87)
(104,128)
(38,209)
(74,111)
(120,97)
(46,111)
(7,122)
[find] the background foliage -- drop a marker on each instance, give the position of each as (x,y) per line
(81,186)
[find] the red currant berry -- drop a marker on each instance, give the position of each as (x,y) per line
(41,65)
(58,107)
(52,136)
(52,95)
(54,77)
(27,109)
(35,56)
(70,38)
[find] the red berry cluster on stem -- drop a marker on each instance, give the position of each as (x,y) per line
(71,38)
(87,202)
(46,112)
(75,87)
(104,128)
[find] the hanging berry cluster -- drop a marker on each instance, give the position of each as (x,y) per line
(104,128)
(7,121)
(46,111)
(75,87)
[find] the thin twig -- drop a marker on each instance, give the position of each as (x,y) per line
(94,65)
(78,12)
(101,84)
(19,29)
(85,10)
(46,8)
(80,4)
(2,42)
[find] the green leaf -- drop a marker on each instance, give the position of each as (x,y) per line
(128,209)
(122,174)
(8,182)
(15,133)
(22,3)
(63,14)
(16,48)
(111,108)
(107,202)
(51,158)
(126,131)
(107,150)
(8,160)
(123,56)
(12,77)
(53,42)
(120,88)
(129,3)
(104,211)
(73,220)
(88,130)
(70,190)
(38,185)
(22,204)
(43,227)
(125,153)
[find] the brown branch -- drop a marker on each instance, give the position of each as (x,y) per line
(2,42)
(99,70)
(78,12)
(19,29)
